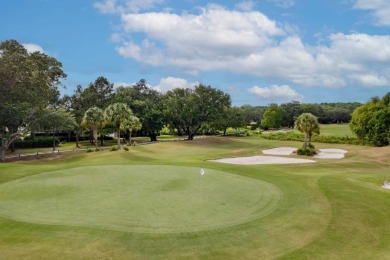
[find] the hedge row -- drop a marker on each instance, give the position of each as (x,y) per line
(36,142)
(291,136)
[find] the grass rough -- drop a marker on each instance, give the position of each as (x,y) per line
(331,209)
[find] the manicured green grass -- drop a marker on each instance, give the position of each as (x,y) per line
(141,198)
(336,130)
(330,209)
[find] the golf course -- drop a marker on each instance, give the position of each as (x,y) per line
(169,201)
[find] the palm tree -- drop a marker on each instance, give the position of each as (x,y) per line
(308,124)
(94,119)
(116,114)
(131,123)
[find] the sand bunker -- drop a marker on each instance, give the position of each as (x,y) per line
(323,153)
(330,154)
(251,160)
(280,151)
(386,185)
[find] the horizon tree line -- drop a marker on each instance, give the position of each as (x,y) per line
(30,101)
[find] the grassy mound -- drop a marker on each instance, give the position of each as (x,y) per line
(145,199)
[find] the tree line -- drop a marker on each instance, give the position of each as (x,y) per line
(276,116)
(30,101)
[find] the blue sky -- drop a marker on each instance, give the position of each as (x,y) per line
(257,51)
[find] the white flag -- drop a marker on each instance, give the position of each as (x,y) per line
(202,172)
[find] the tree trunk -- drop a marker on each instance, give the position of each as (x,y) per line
(306,140)
(192,134)
(95,137)
(101,140)
(6,143)
(2,152)
(91,136)
(153,136)
(126,137)
(119,138)
(77,139)
(224,131)
(54,141)
(11,145)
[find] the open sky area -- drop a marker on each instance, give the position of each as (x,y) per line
(257,51)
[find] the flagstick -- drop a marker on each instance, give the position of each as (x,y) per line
(201,188)
(202,172)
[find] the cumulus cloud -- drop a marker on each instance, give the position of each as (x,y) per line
(170,83)
(206,41)
(276,93)
(248,42)
(31,47)
(380,10)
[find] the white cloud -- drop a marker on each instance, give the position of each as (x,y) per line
(121,6)
(198,42)
(380,10)
(276,93)
(246,6)
(31,47)
(170,83)
(138,5)
(248,42)
(283,3)
(154,55)
(123,84)
(107,7)
(371,79)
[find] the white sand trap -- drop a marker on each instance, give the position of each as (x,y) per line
(386,185)
(280,151)
(261,160)
(330,154)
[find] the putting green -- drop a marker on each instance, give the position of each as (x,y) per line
(145,199)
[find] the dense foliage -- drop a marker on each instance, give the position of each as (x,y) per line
(292,136)
(371,121)
(28,83)
(29,101)
(189,109)
(273,117)
(146,104)
(269,117)
(37,142)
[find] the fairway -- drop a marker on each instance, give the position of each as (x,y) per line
(141,199)
(151,202)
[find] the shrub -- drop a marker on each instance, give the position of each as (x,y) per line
(291,136)
(126,148)
(97,149)
(36,142)
(114,148)
(309,151)
(242,133)
(89,151)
